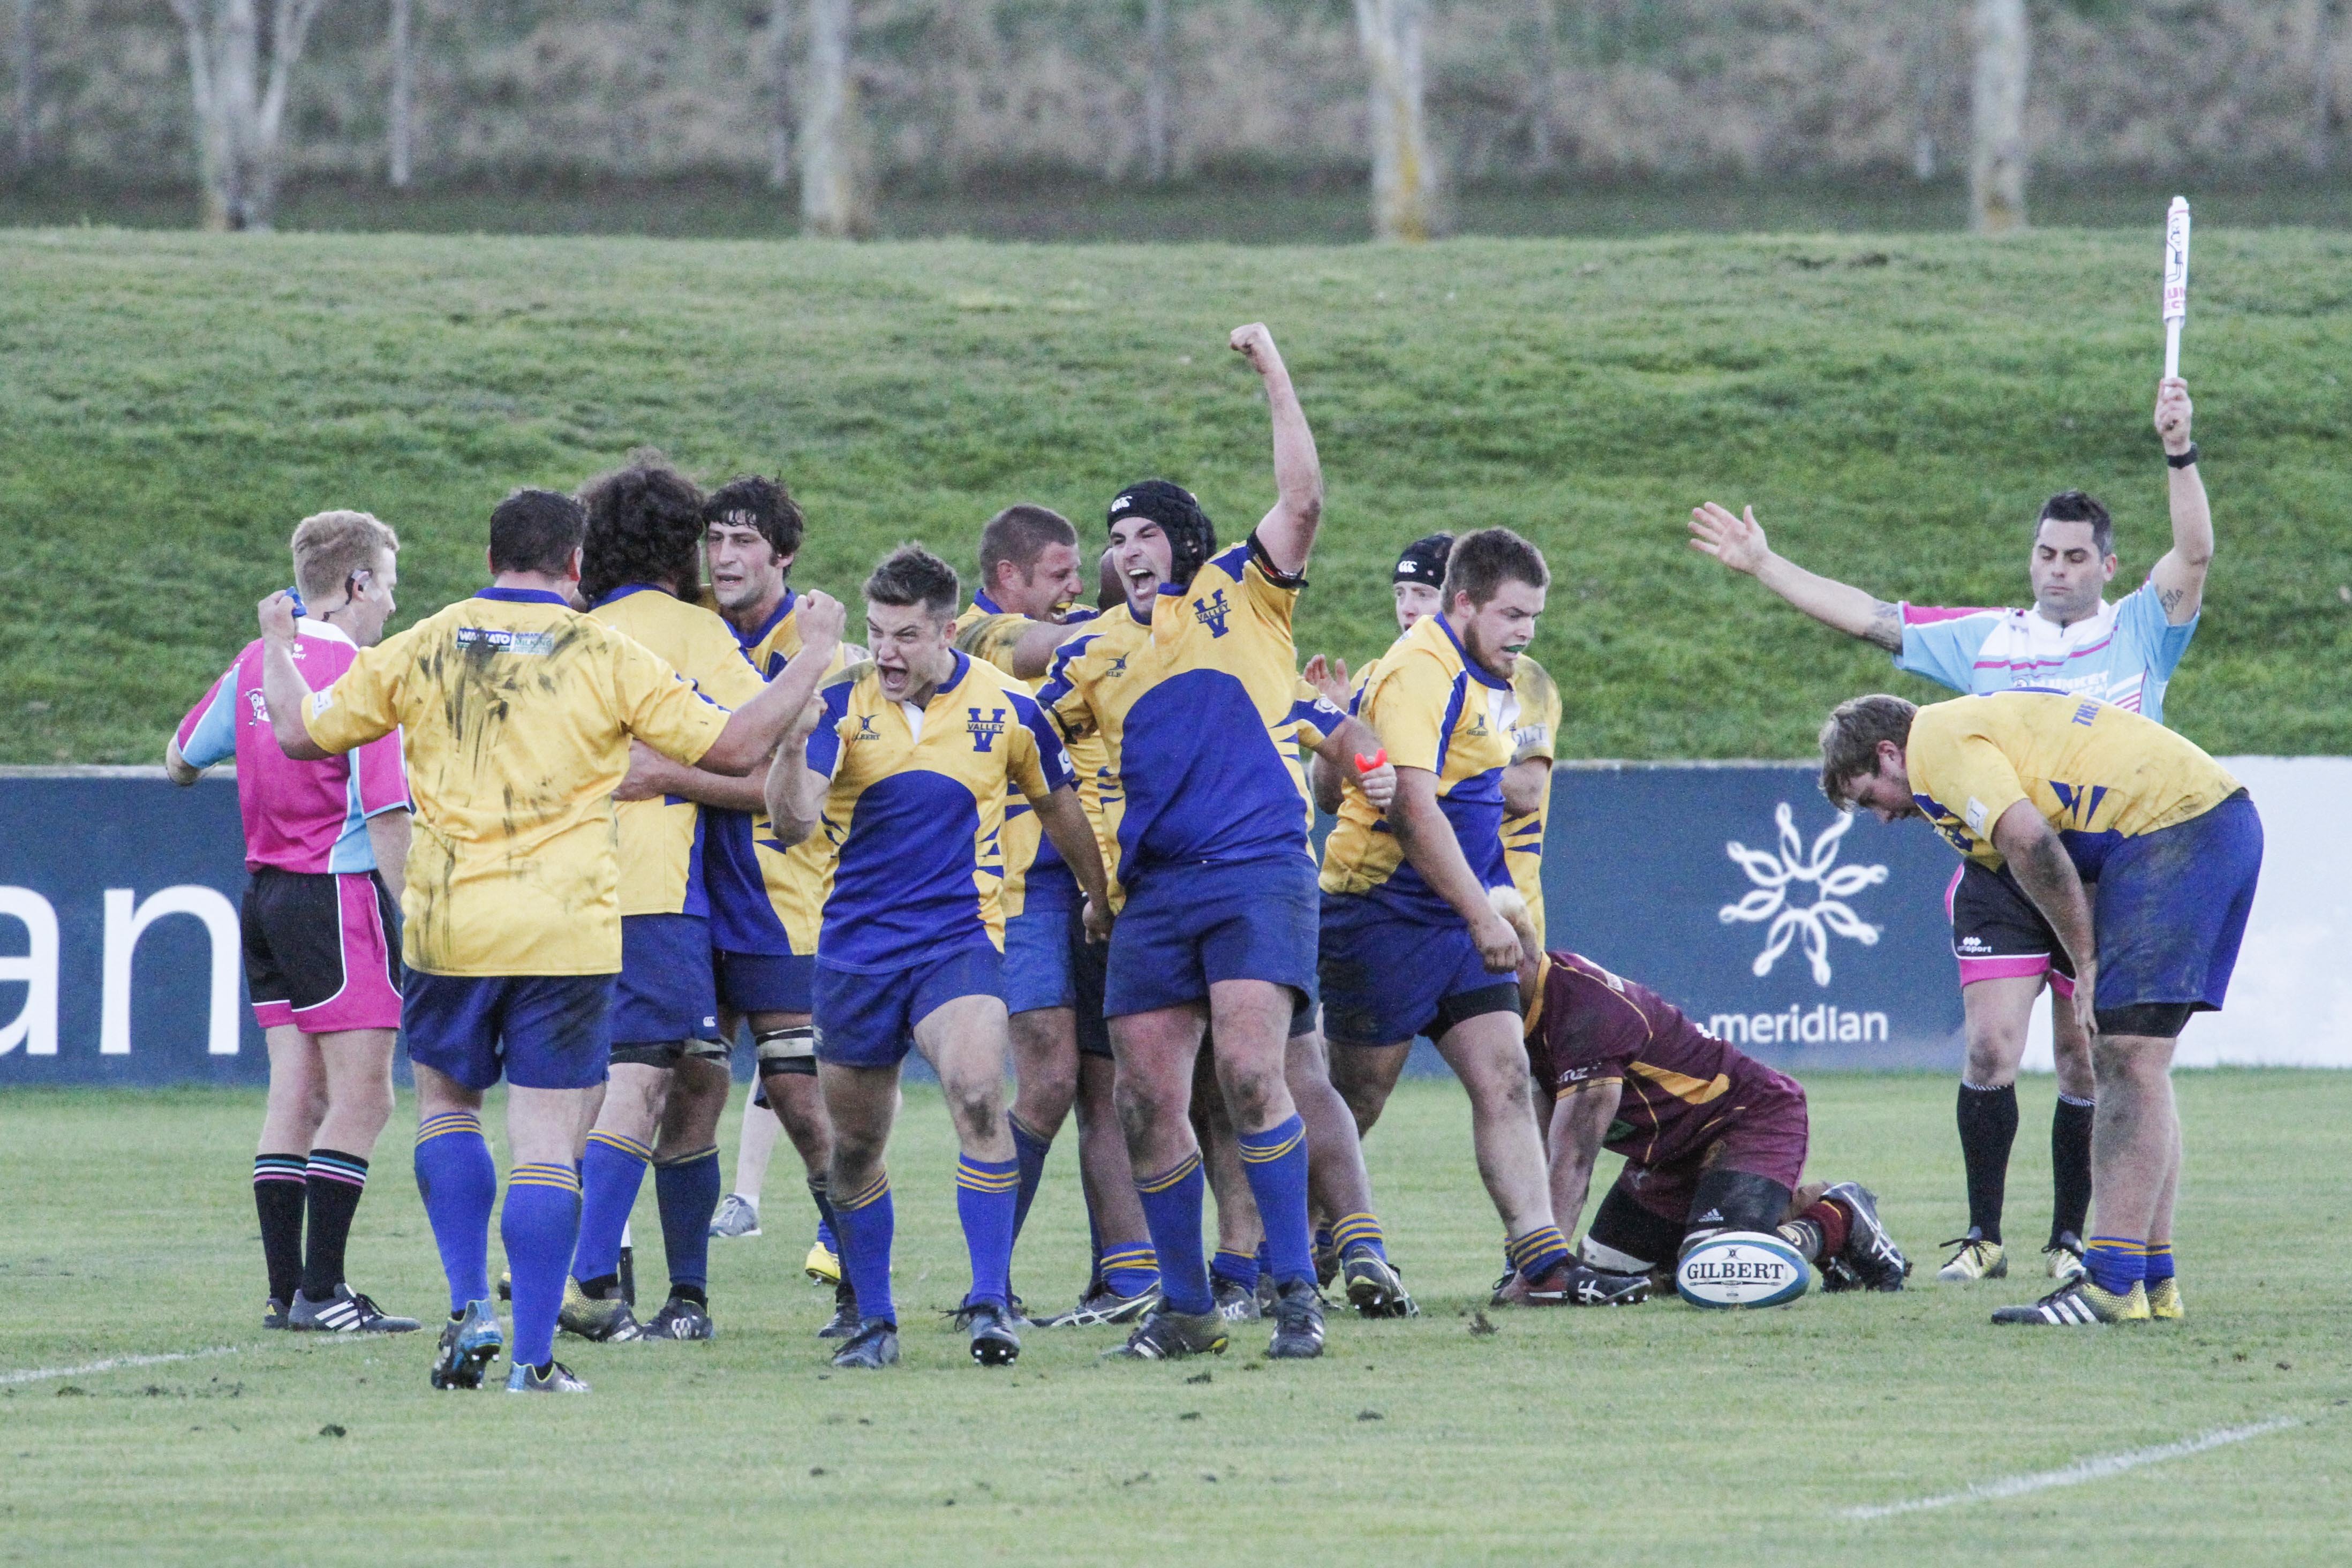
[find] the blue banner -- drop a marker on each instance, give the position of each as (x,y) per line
(1804,937)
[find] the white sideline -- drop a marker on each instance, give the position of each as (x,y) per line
(2075,1474)
(34,1375)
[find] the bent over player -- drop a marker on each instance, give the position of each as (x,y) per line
(2064,791)
(326,844)
(2073,639)
(516,711)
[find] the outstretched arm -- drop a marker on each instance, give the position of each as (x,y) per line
(653,775)
(753,730)
(1288,532)
(1739,542)
(2179,578)
(2046,872)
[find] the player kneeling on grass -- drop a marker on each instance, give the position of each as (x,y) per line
(906,762)
(1713,1140)
(2060,789)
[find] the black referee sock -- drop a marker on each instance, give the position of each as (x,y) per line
(336,1182)
(2069,1166)
(277,1198)
(1988,1119)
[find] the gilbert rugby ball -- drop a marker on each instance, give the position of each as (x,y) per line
(1742,1268)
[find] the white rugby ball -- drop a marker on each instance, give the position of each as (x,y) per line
(1742,1268)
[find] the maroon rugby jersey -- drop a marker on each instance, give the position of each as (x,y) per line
(1682,1085)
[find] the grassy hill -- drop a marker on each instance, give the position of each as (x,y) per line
(1896,408)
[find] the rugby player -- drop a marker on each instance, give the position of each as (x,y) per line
(1713,1140)
(1218,926)
(326,844)
(641,563)
(515,712)
(2064,790)
(905,765)
(2073,640)
(1411,944)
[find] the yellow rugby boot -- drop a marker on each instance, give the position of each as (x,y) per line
(2081,1305)
(1976,1259)
(2164,1301)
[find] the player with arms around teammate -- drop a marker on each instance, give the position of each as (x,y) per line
(640,560)
(325,843)
(905,765)
(516,712)
(2063,790)
(1411,944)
(2073,639)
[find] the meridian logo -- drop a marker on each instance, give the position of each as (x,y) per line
(1775,876)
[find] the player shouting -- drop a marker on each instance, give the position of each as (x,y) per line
(1411,944)
(326,844)
(516,712)
(905,765)
(2073,640)
(2065,790)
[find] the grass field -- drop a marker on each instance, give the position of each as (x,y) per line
(1894,407)
(1656,1434)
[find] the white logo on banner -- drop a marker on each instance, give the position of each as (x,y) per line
(1775,876)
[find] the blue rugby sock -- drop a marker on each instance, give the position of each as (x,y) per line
(1029,1151)
(1275,1160)
(687,1188)
(611,1171)
(1234,1268)
(2115,1262)
(1538,1252)
(865,1221)
(1129,1268)
(539,1225)
(1360,1233)
(1172,1209)
(987,1194)
(2159,1261)
(460,1185)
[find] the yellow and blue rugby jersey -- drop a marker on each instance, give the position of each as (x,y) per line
(915,807)
(988,631)
(1199,719)
(2098,773)
(1437,709)
(1537,735)
(1097,656)
(662,840)
(517,713)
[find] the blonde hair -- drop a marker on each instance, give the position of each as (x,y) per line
(328,546)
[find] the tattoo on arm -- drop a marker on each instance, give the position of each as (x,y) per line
(1885,625)
(2171,599)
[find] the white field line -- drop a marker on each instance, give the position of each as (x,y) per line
(2078,1473)
(34,1375)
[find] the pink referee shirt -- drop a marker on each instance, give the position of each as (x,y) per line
(298,817)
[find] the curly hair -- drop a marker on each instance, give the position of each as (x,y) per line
(645,525)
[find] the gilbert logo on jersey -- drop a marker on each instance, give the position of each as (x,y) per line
(985,731)
(1212,612)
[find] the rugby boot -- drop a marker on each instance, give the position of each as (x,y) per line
(681,1318)
(1375,1288)
(875,1345)
(1552,1288)
(273,1313)
(344,1313)
(845,1321)
(1298,1322)
(1870,1252)
(470,1343)
(1976,1259)
(557,1379)
(2164,1301)
(994,1343)
(1105,1306)
(1589,1287)
(1236,1302)
(2064,1256)
(824,1261)
(2080,1304)
(738,1217)
(606,1319)
(1168,1335)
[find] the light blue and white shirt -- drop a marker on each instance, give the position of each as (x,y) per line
(2124,654)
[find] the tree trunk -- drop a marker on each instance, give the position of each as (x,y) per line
(1925,89)
(1545,70)
(1404,195)
(401,112)
(2323,88)
(1997,170)
(239,115)
(778,63)
(830,198)
(1158,152)
(26,49)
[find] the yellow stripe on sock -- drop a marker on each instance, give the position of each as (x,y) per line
(1175,1173)
(1260,1156)
(622,1144)
(870,1194)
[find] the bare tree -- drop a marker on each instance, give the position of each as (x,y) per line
(26,47)
(2321,46)
(1997,169)
(1159,150)
(1927,86)
(831,201)
(1543,70)
(401,113)
(779,48)
(1404,193)
(239,114)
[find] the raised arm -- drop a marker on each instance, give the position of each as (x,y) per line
(2179,578)
(1288,532)
(2046,872)
(753,730)
(1739,542)
(283,690)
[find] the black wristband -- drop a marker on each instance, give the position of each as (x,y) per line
(2183,460)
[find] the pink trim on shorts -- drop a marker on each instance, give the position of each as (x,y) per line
(270,1015)
(2011,967)
(367,999)
(1952,889)
(2060,982)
